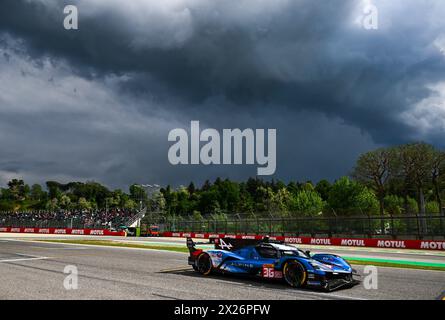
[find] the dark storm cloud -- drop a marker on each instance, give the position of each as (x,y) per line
(275,64)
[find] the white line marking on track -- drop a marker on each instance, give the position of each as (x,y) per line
(27,255)
(327,295)
(23,259)
(49,248)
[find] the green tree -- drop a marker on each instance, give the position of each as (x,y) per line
(37,192)
(208,202)
(265,200)
(323,187)
(183,205)
(308,202)
(138,194)
(228,195)
(438,177)
(52,204)
(84,203)
(54,189)
(130,204)
(17,189)
(65,202)
(374,169)
(348,197)
(414,165)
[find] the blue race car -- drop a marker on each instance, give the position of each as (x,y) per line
(273,260)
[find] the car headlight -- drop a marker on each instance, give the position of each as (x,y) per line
(319,266)
(315,266)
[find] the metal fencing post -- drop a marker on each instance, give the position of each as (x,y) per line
(419,231)
(393,235)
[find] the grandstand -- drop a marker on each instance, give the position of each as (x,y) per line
(96,218)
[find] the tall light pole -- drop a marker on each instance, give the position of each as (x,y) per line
(150,190)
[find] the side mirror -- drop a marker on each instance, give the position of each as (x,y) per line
(308,253)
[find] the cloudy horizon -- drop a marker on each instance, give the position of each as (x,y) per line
(97,103)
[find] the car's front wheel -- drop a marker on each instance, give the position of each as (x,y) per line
(204,264)
(294,273)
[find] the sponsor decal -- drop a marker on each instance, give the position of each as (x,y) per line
(270,272)
(60,231)
(353,242)
(433,245)
(328,258)
(224,245)
(321,241)
(97,232)
(391,244)
(248,237)
(213,235)
(199,235)
(293,240)
(176,234)
(186,235)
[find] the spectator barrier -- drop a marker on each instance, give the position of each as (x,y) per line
(62,231)
(345,242)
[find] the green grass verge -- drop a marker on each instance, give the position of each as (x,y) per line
(397,263)
(351,260)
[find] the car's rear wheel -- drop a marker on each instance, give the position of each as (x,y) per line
(204,264)
(294,273)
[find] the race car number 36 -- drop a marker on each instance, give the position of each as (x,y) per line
(270,272)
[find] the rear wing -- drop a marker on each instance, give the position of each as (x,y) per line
(229,244)
(191,245)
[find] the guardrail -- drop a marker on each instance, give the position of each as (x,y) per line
(345,242)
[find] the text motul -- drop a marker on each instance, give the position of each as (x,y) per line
(435,245)
(321,241)
(353,242)
(391,244)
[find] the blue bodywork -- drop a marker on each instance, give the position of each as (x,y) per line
(267,260)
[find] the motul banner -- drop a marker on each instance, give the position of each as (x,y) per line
(86,232)
(345,242)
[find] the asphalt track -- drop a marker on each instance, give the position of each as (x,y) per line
(34,270)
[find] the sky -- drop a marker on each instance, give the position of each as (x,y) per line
(98,103)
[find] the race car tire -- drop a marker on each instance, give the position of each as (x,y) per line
(204,264)
(294,273)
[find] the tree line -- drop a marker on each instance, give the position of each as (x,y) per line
(19,196)
(405,179)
